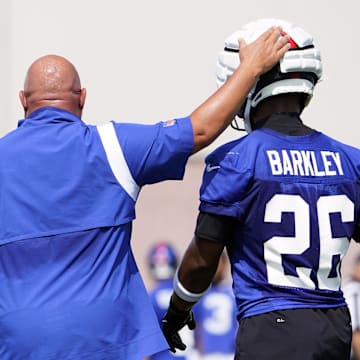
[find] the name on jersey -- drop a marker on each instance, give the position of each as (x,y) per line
(305,162)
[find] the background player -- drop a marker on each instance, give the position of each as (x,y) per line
(162,263)
(284,200)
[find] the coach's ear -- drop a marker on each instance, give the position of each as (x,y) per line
(82,98)
(23,100)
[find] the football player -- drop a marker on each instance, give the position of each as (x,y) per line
(162,263)
(284,200)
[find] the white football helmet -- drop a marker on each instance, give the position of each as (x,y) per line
(297,72)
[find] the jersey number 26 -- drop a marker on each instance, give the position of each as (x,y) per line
(330,246)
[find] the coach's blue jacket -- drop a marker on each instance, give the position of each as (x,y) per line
(69,284)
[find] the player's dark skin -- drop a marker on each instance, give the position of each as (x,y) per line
(199,264)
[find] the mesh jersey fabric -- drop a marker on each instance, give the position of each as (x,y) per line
(296,200)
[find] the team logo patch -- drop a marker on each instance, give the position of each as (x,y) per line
(210,167)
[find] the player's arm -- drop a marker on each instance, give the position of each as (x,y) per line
(215,114)
(200,261)
(195,274)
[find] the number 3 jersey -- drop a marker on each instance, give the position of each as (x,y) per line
(296,200)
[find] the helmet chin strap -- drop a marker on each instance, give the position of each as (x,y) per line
(247,110)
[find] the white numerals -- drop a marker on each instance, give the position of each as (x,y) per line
(221,309)
(277,246)
(328,244)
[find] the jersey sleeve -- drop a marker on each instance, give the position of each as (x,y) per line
(214,227)
(156,152)
(226,178)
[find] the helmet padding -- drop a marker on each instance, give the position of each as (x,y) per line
(297,72)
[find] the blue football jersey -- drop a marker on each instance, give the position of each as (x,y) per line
(70,286)
(216,323)
(296,200)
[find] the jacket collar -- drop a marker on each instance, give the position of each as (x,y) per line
(48,115)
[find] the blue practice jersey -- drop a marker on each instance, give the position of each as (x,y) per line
(216,323)
(296,200)
(70,287)
(160,298)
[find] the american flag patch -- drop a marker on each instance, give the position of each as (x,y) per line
(169,123)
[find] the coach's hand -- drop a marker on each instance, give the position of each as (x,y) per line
(173,321)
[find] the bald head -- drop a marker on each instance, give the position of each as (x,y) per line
(52,81)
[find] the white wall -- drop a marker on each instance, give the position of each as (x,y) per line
(6,82)
(149,60)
